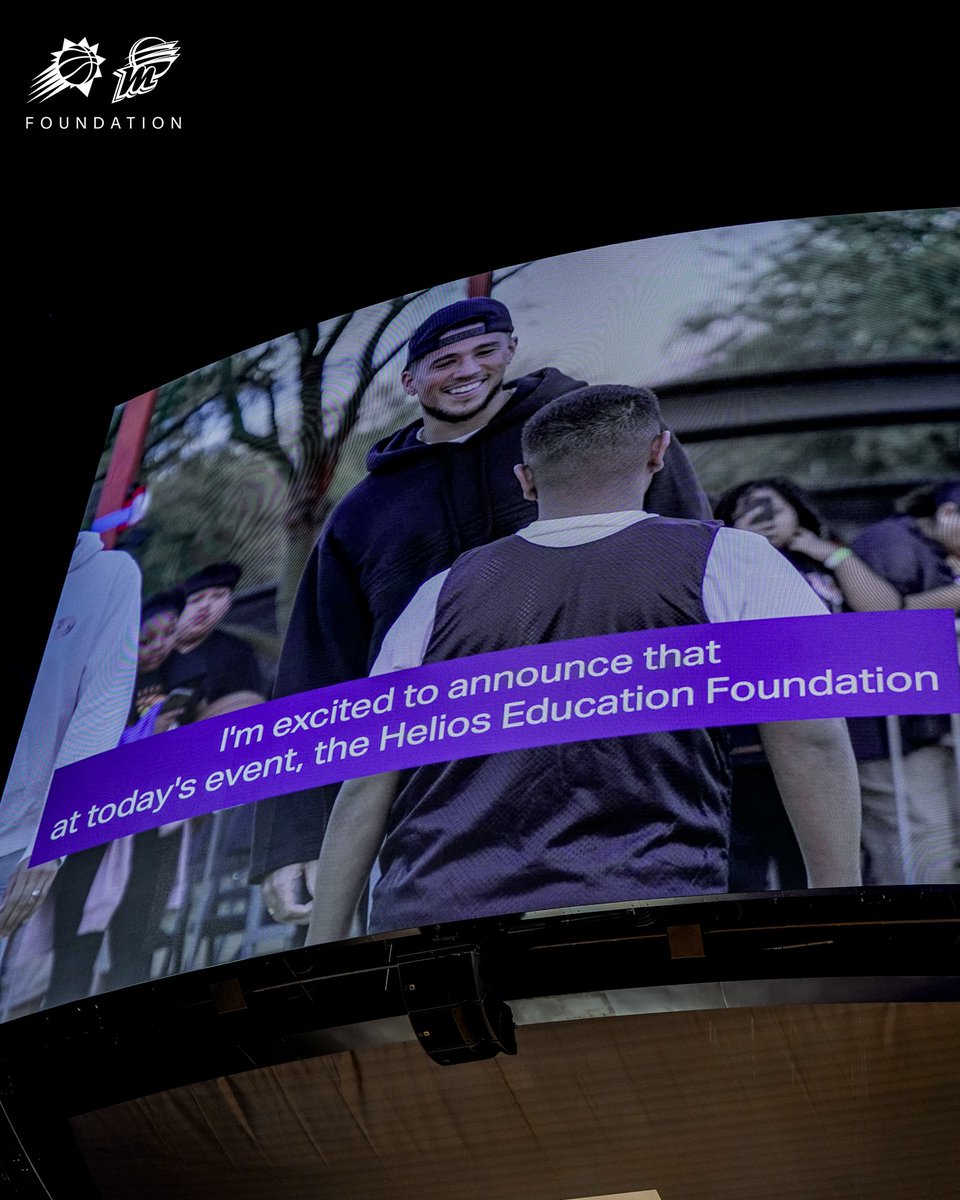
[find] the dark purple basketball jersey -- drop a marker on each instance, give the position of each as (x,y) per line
(614,819)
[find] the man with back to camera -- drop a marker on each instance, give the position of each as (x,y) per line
(614,819)
(437,487)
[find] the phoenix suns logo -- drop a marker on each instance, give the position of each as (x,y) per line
(77,65)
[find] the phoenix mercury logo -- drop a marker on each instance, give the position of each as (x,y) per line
(77,65)
(149,58)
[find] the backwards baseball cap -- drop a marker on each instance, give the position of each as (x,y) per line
(217,575)
(456,322)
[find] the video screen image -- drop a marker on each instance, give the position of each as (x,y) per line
(619,577)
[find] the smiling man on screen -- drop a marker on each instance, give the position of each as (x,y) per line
(434,489)
(615,819)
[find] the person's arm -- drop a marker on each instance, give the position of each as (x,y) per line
(353,839)
(746,579)
(106,685)
(941,597)
(327,642)
(863,589)
(356,825)
(816,775)
(290,889)
(896,550)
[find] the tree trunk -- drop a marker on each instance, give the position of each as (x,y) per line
(307,509)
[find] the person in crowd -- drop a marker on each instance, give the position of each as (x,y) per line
(216,668)
(434,489)
(917,552)
(907,561)
(764,853)
(78,708)
(615,819)
(190,673)
(779,510)
(187,670)
(150,712)
(220,674)
(123,885)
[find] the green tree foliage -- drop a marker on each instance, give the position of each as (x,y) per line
(241,454)
(862,288)
(226,505)
(816,459)
(246,458)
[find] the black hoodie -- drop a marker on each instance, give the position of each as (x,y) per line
(418,509)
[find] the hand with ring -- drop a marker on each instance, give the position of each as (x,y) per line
(288,892)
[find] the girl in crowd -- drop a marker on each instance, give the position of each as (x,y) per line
(780,511)
(763,850)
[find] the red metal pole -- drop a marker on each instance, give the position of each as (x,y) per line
(125,460)
(480,285)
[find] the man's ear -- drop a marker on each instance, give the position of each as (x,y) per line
(408,385)
(512,347)
(658,448)
(527,483)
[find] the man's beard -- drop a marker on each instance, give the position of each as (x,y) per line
(440,414)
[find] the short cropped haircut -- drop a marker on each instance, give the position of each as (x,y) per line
(606,428)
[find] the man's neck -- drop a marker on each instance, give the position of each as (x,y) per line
(609,516)
(551,507)
(435,430)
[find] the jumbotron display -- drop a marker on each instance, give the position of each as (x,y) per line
(625,576)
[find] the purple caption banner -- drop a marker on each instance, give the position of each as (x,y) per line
(795,668)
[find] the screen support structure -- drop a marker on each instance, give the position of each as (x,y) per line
(455,1013)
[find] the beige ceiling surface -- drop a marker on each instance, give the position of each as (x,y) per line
(797,1103)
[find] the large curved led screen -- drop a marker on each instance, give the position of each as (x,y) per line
(623,576)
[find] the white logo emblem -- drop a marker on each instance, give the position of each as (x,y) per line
(149,58)
(76,64)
